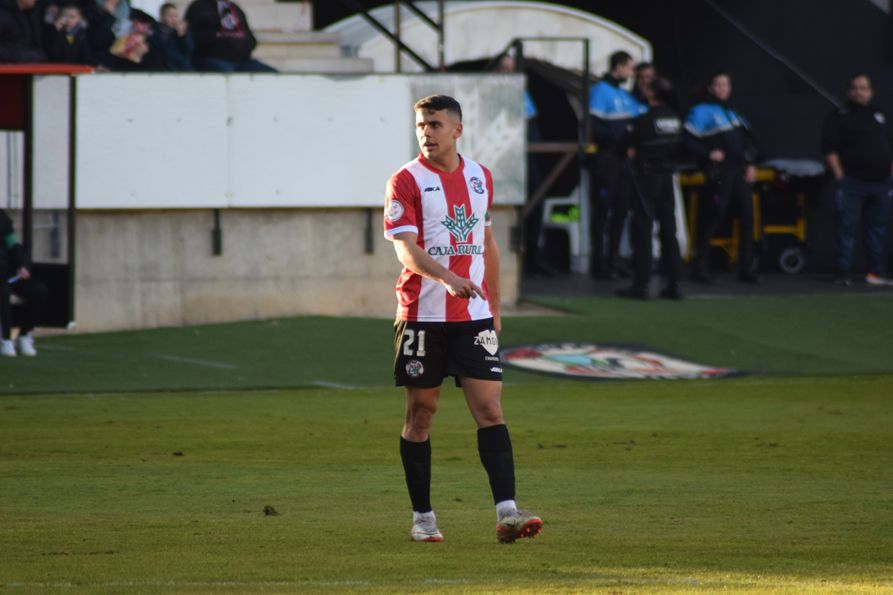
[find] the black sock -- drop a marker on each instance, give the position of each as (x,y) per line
(416,458)
(495,448)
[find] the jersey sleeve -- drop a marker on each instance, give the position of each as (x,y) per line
(401,204)
(488,178)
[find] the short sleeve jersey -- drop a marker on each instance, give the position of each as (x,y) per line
(449,212)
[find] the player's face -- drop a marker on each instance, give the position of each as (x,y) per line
(437,133)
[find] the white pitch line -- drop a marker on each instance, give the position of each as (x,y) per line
(197,362)
(327,384)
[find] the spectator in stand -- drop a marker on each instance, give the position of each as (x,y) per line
(858,145)
(21,32)
(223,39)
(15,278)
(174,39)
(720,138)
(66,38)
(612,109)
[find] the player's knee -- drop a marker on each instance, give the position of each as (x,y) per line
(489,414)
(420,415)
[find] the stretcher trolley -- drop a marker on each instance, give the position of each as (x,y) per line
(783,191)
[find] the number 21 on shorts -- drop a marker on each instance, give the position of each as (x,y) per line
(409,339)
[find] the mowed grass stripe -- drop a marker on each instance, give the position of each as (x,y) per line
(836,334)
(746,485)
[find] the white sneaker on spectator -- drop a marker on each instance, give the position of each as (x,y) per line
(873,279)
(7,348)
(26,345)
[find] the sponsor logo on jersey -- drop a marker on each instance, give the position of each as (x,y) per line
(488,340)
(414,368)
(604,362)
(395,211)
(457,250)
(477,185)
(459,225)
(497,370)
(432,189)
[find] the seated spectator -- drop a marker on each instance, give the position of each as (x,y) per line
(16,279)
(66,37)
(223,39)
(139,49)
(174,39)
(21,32)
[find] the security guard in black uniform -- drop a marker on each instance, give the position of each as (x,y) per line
(655,149)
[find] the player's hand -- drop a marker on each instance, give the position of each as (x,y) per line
(463,288)
(23,274)
(717,155)
(497,322)
(750,174)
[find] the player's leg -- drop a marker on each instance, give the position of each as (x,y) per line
(419,366)
(415,453)
(495,449)
(474,360)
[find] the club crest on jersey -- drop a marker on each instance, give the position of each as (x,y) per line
(395,211)
(459,225)
(477,185)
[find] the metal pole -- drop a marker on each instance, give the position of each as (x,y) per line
(28,158)
(398,58)
(72,195)
(440,36)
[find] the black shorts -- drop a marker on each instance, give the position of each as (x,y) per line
(428,352)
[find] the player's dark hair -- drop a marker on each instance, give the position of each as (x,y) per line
(618,59)
(435,103)
(644,66)
(857,75)
(166,6)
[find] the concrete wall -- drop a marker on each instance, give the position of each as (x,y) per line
(143,269)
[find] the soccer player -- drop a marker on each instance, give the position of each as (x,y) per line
(437,215)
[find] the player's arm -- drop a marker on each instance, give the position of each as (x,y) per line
(491,275)
(418,261)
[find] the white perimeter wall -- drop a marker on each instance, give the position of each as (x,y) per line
(151,141)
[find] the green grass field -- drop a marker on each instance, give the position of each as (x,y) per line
(126,467)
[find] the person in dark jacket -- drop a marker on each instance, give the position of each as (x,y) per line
(655,141)
(15,278)
(66,38)
(174,39)
(21,32)
(857,141)
(223,39)
(720,138)
(611,108)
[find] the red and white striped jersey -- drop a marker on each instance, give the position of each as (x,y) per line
(449,212)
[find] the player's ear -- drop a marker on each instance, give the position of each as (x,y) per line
(458,132)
